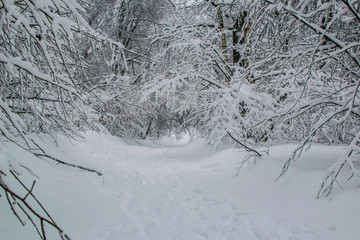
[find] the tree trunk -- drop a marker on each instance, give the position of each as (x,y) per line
(223,37)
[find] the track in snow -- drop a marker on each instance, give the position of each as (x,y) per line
(167,193)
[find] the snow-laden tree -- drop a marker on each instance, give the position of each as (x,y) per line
(129,22)
(307,58)
(200,71)
(273,71)
(43,88)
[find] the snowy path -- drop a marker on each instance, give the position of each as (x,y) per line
(183,192)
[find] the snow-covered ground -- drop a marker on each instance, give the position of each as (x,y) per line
(170,190)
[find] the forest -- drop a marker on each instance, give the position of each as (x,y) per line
(249,74)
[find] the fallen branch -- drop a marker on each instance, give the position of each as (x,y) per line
(68,164)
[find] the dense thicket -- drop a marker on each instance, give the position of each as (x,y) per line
(265,71)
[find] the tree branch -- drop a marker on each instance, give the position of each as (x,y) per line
(248,149)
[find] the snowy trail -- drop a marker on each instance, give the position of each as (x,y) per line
(158,195)
(179,192)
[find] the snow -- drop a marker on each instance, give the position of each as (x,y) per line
(182,189)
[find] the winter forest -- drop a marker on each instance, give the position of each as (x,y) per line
(246,75)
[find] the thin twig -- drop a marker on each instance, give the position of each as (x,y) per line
(248,149)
